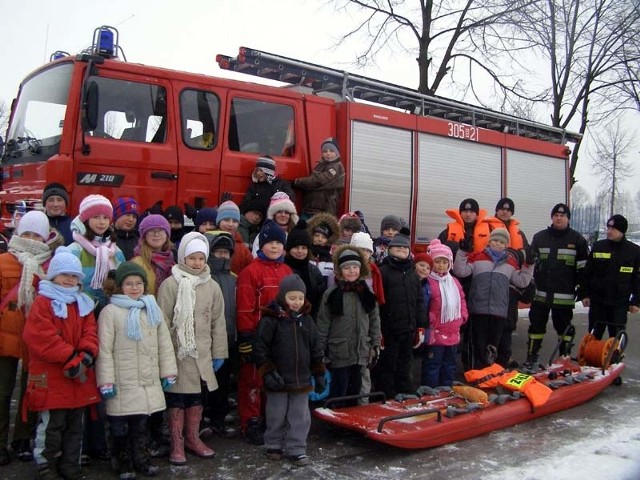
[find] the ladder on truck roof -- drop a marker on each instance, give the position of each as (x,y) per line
(350,86)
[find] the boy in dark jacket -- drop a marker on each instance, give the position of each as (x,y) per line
(125,222)
(298,257)
(265,183)
(222,246)
(402,313)
(287,353)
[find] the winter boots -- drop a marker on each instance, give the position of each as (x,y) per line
(187,421)
(254,431)
(565,341)
(192,441)
(176,427)
(140,448)
(533,353)
(121,460)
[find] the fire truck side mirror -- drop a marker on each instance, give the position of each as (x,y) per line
(90,119)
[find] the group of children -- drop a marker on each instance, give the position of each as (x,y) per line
(88,329)
(138,316)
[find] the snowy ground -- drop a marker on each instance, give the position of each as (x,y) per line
(599,440)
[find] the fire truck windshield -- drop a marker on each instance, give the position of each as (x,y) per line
(37,123)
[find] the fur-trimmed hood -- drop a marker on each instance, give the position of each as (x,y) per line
(364,263)
(329,220)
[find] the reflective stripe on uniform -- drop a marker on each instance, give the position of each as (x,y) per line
(601,255)
(626,269)
(543,253)
(564,299)
(568,255)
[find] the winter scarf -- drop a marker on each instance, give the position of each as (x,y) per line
(31,254)
(219,264)
(154,314)
(103,251)
(301,267)
(321,253)
(262,256)
(497,257)
(161,262)
(450,309)
(360,287)
(62,296)
(183,319)
(403,264)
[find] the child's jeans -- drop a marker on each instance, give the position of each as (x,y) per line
(439,366)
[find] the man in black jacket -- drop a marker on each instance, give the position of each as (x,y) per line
(561,256)
(612,280)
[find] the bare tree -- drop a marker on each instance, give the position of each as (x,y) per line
(4,118)
(443,36)
(591,50)
(608,161)
(579,197)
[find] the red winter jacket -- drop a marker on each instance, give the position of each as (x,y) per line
(257,286)
(52,342)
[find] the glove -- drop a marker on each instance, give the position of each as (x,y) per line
(374,354)
(245,349)
(529,255)
(190,211)
(87,359)
(166,382)
(217,363)
(466,244)
(75,368)
(108,390)
(156,208)
(226,196)
(321,384)
(72,367)
(419,337)
(273,381)
(517,255)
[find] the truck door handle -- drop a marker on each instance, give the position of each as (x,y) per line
(166,175)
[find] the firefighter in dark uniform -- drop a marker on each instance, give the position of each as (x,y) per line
(518,246)
(561,255)
(611,285)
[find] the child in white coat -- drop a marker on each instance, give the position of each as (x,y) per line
(194,307)
(135,364)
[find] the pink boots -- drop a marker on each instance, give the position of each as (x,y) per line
(187,420)
(192,433)
(176,426)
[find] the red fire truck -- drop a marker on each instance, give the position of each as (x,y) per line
(98,124)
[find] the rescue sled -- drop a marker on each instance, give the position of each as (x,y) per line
(441,417)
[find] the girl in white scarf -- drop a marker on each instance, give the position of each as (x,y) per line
(193,304)
(95,246)
(447,313)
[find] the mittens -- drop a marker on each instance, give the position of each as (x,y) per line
(108,390)
(273,381)
(167,381)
